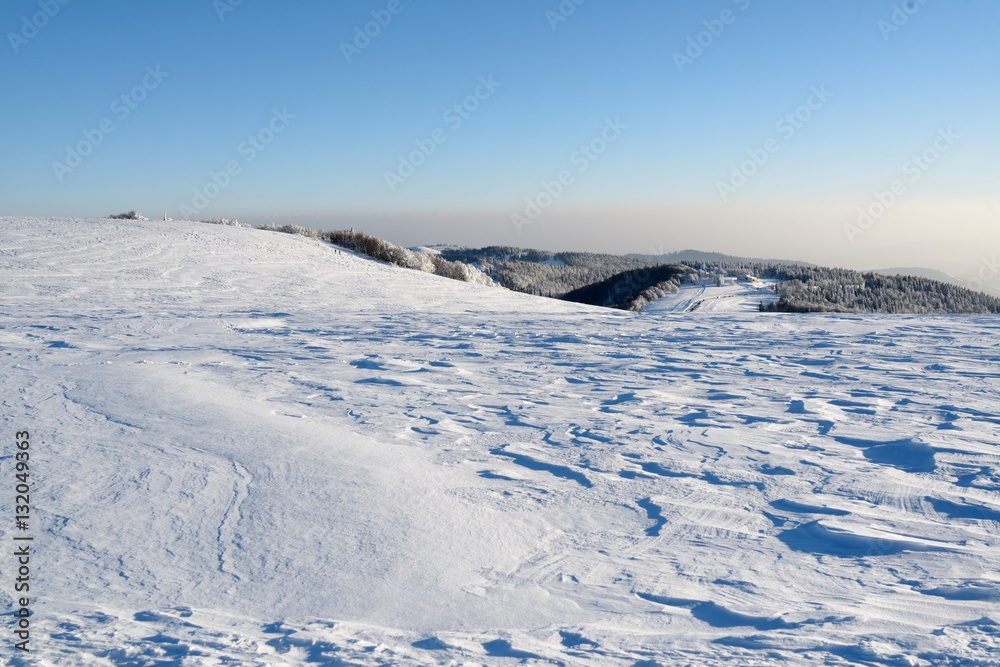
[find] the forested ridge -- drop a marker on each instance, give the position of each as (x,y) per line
(631,282)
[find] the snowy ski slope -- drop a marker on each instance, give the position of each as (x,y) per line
(249,449)
(735,300)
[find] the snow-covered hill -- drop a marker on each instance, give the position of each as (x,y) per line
(248,448)
(736,298)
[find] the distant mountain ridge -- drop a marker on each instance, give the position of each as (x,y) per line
(934,274)
(691,255)
(921,272)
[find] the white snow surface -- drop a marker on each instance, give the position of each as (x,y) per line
(742,297)
(249,449)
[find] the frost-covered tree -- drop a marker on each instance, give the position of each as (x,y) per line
(128,215)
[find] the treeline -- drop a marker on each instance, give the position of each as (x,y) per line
(543,273)
(850,291)
(631,282)
(631,290)
(380,249)
(805,288)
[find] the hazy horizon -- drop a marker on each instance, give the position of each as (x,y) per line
(859,135)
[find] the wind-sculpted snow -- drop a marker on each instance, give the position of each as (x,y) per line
(251,449)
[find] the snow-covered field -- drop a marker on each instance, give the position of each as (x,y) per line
(741,297)
(249,449)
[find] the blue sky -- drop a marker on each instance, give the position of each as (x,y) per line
(559,76)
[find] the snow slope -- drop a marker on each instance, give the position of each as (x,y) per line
(250,449)
(740,297)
